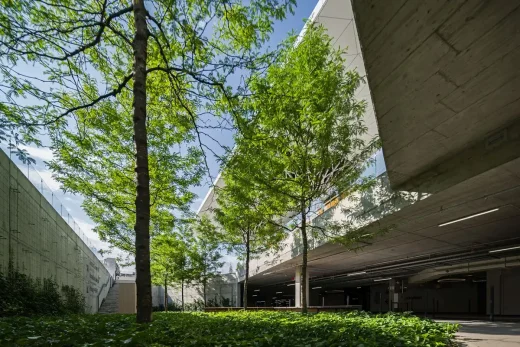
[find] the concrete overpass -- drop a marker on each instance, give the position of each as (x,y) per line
(444,79)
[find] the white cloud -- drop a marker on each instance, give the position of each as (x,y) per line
(42,153)
(49,181)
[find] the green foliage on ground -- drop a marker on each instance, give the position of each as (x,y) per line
(21,295)
(228,329)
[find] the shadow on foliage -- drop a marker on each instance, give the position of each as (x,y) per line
(20,295)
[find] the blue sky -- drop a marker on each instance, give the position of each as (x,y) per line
(72,204)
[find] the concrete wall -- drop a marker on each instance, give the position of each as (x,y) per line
(127,297)
(39,241)
(506,283)
(463,298)
(443,298)
(379,298)
(222,290)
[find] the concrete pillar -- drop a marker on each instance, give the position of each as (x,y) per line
(298,286)
(307,282)
(238,302)
(391,291)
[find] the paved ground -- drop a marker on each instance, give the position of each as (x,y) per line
(488,334)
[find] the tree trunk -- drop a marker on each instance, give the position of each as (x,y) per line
(303,280)
(182,295)
(166,293)
(142,201)
(248,249)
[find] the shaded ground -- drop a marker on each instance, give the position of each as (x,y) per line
(487,334)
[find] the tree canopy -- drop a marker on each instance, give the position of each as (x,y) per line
(303,136)
(122,85)
(247,220)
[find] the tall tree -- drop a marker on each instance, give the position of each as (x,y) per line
(247,219)
(63,62)
(303,135)
(183,267)
(206,255)
(163,249)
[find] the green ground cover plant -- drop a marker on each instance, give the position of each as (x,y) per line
(227,329)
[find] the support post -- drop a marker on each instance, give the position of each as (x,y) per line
(298,287)
(391,291)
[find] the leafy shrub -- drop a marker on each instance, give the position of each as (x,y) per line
(197,305)
(240,328)
(73,300)
(20,295)
(172,306)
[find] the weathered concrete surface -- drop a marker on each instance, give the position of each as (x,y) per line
(38,240)
(487,334)
(445,83)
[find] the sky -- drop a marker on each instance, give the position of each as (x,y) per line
(72,210)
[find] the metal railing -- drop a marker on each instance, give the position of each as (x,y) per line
(51,195)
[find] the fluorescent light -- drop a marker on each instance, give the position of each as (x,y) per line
(358,287)
(479,281)
(291,284)
(383,279)
(451,280)
(357,273)
(279,292)
(468,217)
(504,249)
(316,288)
(257,290)
(255,295)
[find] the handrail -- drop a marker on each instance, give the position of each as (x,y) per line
(101,290)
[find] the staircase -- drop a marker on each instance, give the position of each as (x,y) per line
(111,302)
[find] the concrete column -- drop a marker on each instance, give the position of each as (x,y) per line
(307,286)
(238,288)
(391,291)
(298,287)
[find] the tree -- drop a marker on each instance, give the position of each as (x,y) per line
(163,249)
(302,135)
(172,256)
(63,62)
(206,257)
(182,261)
(246,217)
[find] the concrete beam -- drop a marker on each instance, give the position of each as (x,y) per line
(435,273)
(443,76)
(496,149)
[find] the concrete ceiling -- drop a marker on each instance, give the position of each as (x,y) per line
(417,236)
(445,82)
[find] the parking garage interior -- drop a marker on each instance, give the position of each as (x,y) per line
(456,252)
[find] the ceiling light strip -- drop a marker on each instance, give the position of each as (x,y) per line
(504,249)
(469,217)
(357,273)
